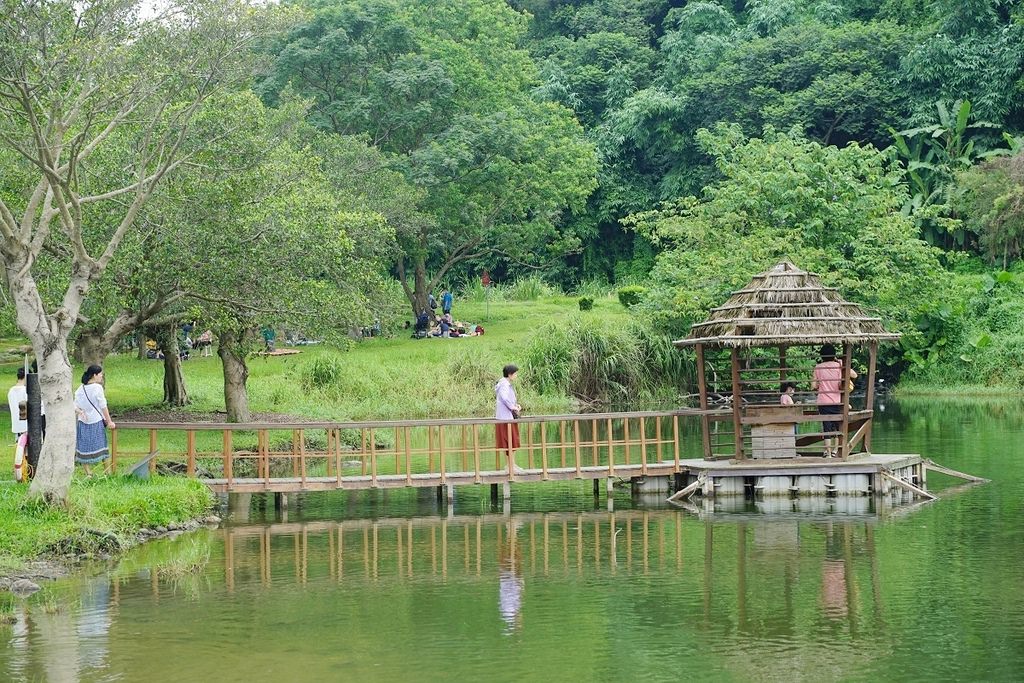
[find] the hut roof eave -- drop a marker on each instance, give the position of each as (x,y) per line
(745,341)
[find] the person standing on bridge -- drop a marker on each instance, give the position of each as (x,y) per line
(507,411)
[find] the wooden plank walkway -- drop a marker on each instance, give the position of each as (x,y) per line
(433,479)
(327,456)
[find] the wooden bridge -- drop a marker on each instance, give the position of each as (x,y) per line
(637,446)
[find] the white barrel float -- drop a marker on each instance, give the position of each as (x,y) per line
(811,485)
(851,484)
(772,486)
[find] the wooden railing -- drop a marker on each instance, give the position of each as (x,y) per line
(322,455)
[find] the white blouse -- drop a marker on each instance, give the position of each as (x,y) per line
(90,399)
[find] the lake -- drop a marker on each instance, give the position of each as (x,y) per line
(392,586)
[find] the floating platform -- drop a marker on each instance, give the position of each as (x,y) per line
(860,475)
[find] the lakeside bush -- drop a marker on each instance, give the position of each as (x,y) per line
(586,303)
(322,372)
(631,295)
(598,364)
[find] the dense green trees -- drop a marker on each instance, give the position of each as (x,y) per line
(832,210)
(446,90)
(841,72)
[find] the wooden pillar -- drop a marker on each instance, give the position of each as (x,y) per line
(702,390)
(844,436)
(737,398)
(870,397)
(190,440)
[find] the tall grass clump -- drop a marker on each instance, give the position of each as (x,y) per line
(598,364)
(322,372)
(594,288)
(529,288)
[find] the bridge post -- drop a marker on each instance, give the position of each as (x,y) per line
(450,489)
(494,493)
(597,489)
(281,501)
(506,491)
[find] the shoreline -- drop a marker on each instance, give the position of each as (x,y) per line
(52,568)
(105,516)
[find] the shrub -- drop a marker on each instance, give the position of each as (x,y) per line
(600,364)
(586,303)
(631,295)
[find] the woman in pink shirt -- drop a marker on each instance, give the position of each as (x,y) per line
(828,382)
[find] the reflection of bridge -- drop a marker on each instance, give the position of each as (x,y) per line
(579,544)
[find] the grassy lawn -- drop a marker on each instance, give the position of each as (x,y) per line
(378,379)
(381,378)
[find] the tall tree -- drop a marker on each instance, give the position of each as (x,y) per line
(443,87)
(77,78)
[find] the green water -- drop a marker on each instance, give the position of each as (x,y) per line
(390,587)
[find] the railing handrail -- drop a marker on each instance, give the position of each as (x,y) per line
(391,424)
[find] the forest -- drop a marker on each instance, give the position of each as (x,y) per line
(326,165)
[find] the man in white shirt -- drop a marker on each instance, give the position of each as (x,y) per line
(18,395)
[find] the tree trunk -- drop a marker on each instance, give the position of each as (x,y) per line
(57,459)
(49,337)
(174,383)
(231,350)
(92,348)
(140,344)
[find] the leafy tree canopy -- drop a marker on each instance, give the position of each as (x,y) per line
(831,210)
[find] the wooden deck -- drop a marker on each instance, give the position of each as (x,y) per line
(859,464)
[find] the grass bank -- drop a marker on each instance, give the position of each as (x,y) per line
(103,515)
(909,388)
(380,378)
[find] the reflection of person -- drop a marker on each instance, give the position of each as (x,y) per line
(506,412)
(93,418)
(510,585)
(828,382)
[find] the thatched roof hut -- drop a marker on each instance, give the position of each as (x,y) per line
(786,306)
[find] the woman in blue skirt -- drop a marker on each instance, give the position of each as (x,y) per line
(93,419)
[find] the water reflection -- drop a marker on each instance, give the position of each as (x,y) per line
(58,642)
(750,570)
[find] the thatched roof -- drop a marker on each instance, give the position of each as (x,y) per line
(786,306)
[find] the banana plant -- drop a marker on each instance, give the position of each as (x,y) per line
(932,155)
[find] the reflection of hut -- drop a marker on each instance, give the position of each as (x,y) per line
(769,333)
